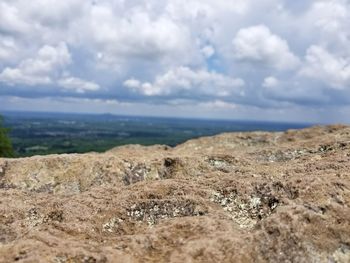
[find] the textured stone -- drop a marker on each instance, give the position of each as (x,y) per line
(235,197)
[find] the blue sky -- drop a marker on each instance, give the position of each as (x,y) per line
(242,59)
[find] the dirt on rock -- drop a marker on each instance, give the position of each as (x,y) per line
(235,197)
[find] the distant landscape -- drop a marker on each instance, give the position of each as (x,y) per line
(49,133)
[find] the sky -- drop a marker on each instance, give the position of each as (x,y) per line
(273,60)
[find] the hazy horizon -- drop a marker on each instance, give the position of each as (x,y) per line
(116,115)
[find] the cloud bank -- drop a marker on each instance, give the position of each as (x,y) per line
(271,55)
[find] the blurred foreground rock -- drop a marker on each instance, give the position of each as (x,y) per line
(236,197)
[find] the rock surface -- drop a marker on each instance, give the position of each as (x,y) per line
(236,197)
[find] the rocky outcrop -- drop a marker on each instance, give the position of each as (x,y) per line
(235,197)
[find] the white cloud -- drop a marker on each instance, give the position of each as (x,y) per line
(52,13)
(329,15)
(10,20)
(132,83)
(17,76)
(38,70)
(332,70)
(205,9)
(137,35)
(8,49)
(208,51)
(78,85)
(270,82)
(327,23)
(183,81)
(259,44)
(219,104)
(46,68)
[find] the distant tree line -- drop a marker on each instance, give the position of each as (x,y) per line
(6,149)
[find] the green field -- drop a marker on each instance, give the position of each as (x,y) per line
(43,133)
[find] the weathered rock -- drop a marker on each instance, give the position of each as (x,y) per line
(235,197)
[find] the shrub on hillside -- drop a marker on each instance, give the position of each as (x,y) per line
(6,149)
